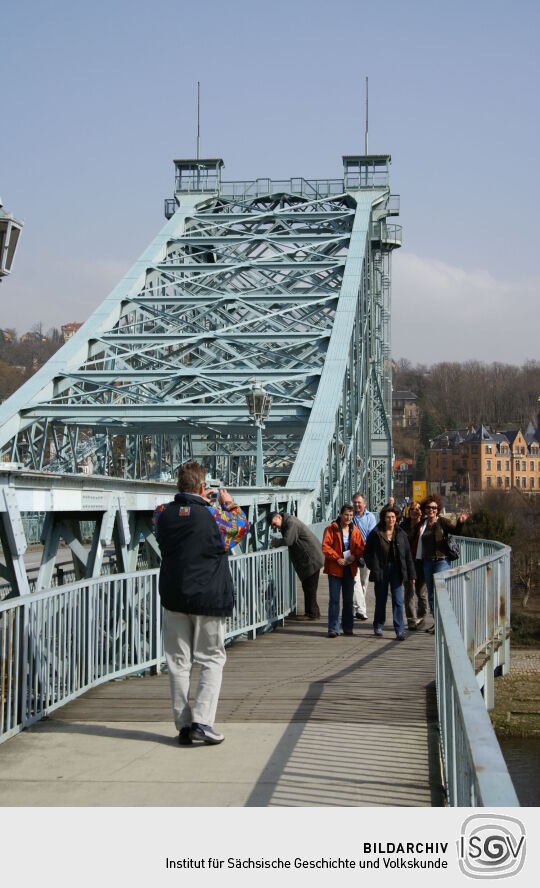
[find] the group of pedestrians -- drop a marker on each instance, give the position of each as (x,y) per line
(196,532)
(401,556)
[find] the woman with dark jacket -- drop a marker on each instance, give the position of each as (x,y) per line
(432,542)
(342,546)
(388,556)
(415,611)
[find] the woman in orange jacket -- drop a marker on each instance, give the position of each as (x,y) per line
(342,546)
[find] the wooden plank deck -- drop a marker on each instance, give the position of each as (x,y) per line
(309,721)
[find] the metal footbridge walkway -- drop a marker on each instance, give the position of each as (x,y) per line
(279,287)
(308,721)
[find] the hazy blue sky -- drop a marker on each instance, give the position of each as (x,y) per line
(98,98)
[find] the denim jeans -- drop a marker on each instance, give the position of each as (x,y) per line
(431,568)
(392,578)
(345,585)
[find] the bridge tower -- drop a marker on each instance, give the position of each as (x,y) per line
(280,284)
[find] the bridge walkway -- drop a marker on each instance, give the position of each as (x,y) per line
(309,721)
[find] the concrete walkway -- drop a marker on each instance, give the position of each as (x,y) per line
(308,721)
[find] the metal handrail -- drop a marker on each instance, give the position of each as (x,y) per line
(467,622)
(57,644)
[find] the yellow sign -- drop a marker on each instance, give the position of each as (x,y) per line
(419,490)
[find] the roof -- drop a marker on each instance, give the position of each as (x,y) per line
(511,435)
(404,396)
(367,158)
(200,161)
(404,460)
(454,436)
(483,434)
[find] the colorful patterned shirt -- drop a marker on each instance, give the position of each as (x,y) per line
(231,522)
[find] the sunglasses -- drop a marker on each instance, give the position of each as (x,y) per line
(432,509)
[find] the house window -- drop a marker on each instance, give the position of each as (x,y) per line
(499,481)
(488,448)
(475,448)
(507,465)
(517,482)
(531,482)
(532,465)
(488,465)
(474,463)
(507,482)
(488,482)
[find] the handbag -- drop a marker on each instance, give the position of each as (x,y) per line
(452,547)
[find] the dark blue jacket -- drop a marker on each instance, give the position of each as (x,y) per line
(373,555)
(194,577)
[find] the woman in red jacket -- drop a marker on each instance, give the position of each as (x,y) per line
(342,545)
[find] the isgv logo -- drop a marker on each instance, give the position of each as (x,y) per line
(491,846)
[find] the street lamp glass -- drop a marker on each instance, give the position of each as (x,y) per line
(258,402)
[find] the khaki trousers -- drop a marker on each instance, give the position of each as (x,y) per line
(189,639)
(360,589)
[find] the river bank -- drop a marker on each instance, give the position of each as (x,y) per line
(516,719)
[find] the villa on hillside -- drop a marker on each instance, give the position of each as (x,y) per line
(481,459)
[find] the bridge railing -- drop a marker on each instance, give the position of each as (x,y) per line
(55,645)
(472,622)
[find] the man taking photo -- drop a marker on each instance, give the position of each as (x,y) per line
(196,590)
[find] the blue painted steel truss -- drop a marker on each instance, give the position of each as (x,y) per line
(282,283)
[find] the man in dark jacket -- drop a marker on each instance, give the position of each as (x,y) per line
(306,556)
(197,595)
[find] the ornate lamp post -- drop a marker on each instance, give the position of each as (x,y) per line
(9,235)
(259,402)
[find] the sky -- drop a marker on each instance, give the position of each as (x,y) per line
(97,99)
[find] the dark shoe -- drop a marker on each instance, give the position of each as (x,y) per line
(358,616)
(400,637)
(184,737)
(431,630)
(412,627)
(332,634)
(311,617)
(362,617)
(348,633)
(206,734)
(378,632)
(302,617)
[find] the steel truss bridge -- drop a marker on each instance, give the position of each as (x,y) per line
(281,283)
(284,284)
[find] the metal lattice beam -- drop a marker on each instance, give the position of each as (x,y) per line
(286,283)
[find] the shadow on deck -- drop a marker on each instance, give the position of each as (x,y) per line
(309,721)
